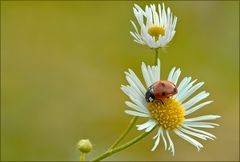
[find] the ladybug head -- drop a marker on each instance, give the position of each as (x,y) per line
(149,96)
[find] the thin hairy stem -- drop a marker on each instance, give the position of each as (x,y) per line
(122,147)
(82,156)
(124,134)
(156,56)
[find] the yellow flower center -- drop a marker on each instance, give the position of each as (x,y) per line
(169,114)
(155,31)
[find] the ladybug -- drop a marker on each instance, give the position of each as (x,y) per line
(160,90)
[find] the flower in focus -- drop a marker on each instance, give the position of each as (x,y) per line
(171,116)
(157,28)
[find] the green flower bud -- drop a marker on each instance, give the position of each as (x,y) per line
(84,145)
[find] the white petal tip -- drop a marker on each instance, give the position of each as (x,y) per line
(136,5)
(217,116)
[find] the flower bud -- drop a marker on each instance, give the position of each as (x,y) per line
(84,145)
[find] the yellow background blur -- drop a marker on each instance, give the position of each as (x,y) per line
(63,64)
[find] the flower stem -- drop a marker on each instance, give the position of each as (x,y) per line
(123,147)
(156,56)
(124,134)
(82,156)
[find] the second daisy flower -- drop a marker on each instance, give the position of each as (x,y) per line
(157,26)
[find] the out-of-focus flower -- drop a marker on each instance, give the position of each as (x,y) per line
(157,28)
(84,145)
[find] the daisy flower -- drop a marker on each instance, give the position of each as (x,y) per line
(171,115)
(157,28)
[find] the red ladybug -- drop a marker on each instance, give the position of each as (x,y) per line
(160,90)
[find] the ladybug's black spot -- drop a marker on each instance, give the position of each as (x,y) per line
(149,96)
(163,93)
(163,85)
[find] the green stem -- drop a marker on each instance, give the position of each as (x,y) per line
(156,56)
(124,134)
(123,147)
(82,156)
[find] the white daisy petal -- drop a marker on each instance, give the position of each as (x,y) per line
(146,75)
(171,74)
(128,91)
(182,87)
(155,70)
(146,125)
(137,41)
(195,100)
(200,124)
(205,117)
(185,89)
(134,86)
(133,95)
(150,72)
(174,23)
(200,131)
(171,146)
(164,17)
(158,133)
(137,81)
(193,133)
(139,8)
(149,16)
(151,127)
(155,15)
(189,139)
(191,91)
(185,84)
(160,14)
(193,109)
(176,76)
(139,17)
(135,36)
(157,140)
(135,27)
(164,140)
(168,16)
(136,107)
(139,103)
(135,113)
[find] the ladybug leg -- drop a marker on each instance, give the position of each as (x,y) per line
(162,102)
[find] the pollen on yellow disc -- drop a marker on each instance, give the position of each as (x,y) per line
(169,114)
(156,30)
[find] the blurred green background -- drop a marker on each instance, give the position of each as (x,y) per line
(62,64)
